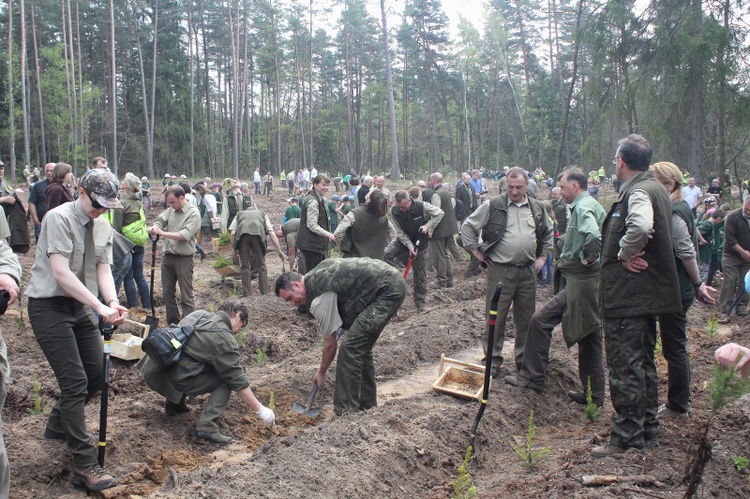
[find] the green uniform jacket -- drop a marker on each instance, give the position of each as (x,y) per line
(251,222)
(369,235)
(211,347)
(656,290)
(583,240)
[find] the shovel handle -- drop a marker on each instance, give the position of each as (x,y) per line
(312,396)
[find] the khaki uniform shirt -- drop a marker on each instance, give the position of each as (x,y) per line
(8,265)
(63,232)
(187,222)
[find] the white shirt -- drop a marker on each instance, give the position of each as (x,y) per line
(692,196)
(306,175)
(313,173)
(209,201)
(256,176)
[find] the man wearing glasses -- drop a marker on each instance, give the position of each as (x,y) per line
(210,363)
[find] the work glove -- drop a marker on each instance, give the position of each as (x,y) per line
(267,415)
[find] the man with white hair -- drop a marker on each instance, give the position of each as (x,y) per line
(367,182)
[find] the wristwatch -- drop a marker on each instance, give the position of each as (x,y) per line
(109,303)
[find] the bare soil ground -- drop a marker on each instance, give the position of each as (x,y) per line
(409,446)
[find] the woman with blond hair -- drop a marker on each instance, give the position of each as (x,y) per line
(672,326)
(131,223)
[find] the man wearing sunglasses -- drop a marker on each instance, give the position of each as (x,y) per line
(72,266)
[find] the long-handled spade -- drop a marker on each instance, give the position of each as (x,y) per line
(106,330)
(153,321)
(487,368)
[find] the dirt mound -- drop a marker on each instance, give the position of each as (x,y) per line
(409,446)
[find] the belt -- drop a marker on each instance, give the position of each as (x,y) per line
(178,256)
(516,265)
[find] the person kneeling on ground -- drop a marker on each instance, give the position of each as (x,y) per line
(359,295)
(210,364)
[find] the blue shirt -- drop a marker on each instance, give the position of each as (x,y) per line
(476,184)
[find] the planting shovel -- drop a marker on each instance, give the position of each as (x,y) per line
(411,260)
(152,321)
(106,330)
(308,410)
(487,368)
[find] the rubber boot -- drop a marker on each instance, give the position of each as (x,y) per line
(247,281)
(263,281)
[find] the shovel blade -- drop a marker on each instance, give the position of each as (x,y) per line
(311,413)
(151,322)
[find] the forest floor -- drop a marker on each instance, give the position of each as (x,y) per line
(409,446)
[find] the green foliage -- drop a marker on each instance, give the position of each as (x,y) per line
(39,408)
(713,325)
(462,487)
(726,386)
(659,349)
(236,291)
(220,262)
(272,402)
(528,454)
(212,308)
(260,355)
(592,410)
(740,462)
(225,238)
(240,337)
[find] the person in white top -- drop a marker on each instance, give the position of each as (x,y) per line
(256,180)
(313,172)
(692,194)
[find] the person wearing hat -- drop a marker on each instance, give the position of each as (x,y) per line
(72,266)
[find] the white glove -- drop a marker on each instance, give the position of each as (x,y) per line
(267,415)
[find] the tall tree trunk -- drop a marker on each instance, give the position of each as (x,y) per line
(566,115)
(24,103)
(395,170)
(11,99)
(310,88)
(113,85)
(696,108)
(207,84)
(277,91)
(71,50)
(144,96)
(192,89)
(300,101)
(153,80)
(349,107)
(43,138)
(233,111)
(82,135)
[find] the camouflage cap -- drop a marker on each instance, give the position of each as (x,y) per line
(103,186)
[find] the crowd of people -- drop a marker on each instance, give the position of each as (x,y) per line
(618,276)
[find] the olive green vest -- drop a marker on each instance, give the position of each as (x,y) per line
(687,289)
(253,223)
(656,289)
(448,226)
(369,235)
(306,239)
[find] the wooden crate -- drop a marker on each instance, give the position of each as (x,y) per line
(221,249)
(460,379)
(229,271)
(127,346)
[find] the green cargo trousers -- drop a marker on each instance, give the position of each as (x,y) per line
(630,344)
(355,371)
(206,382)
(67,334)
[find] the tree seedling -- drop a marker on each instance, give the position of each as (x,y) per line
(220,262)
(462,487)
(740,462)
(36,388)
(240,337)
(592,410)
(659,349)
(530,456)
(713,326)
(260,355)
(225,238)
(726,386)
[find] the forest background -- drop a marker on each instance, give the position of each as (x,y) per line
(220,87)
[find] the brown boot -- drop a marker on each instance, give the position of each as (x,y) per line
(247,283)
(93,478)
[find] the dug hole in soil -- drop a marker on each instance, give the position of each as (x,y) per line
(409,446)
